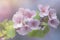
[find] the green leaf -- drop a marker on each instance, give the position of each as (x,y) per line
(37,16)
(10,30)
(39,33)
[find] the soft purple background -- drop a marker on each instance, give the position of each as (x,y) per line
(54,34)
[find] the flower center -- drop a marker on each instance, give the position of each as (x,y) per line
(53,22)
(43,10)
(33,24)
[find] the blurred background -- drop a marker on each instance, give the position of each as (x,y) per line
(54,34)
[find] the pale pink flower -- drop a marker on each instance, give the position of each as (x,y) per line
(24,30)
(34,24)
(53,23)
(22,16)
(27,13)
(44,10)
(17,18)
(52,14)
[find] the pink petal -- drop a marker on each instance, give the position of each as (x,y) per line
(53,23)
(40,6)
(16,26)
(17,18)
(24,30)
(47,7)
(52,14)
(28,13)
(34,24)
(43,10)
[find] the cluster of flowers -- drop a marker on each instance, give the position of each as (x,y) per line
(26,20)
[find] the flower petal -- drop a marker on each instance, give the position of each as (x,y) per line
(40,6)
(17,18)
(28,13)
(34,24)
(24,30)
(52,14)
(18,25)
(53,23)
(43,10)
